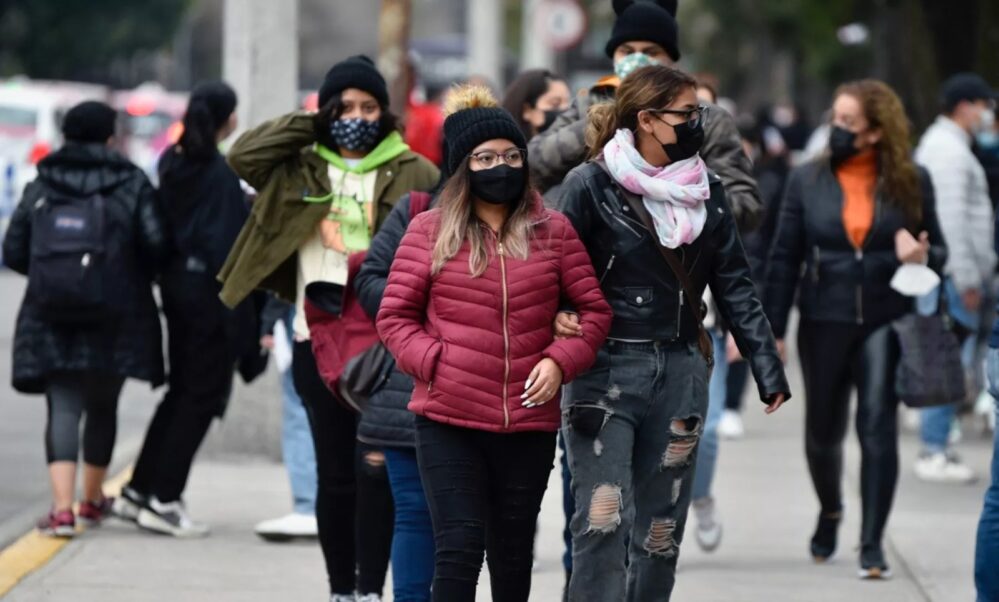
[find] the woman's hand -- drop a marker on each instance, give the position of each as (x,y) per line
(267,342)
(910,250)
(776,401)
(567,326)
(542,384)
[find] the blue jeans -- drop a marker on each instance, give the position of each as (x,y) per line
(936,421)
(296,440)
(987,549)
(413,539)
(707,453)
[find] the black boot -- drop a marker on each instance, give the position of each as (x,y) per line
(823,544)
(873,564)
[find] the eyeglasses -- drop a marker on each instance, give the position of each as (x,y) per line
(690,116)
(488,159)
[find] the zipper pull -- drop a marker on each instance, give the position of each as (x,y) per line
(859,254)
(85,260)
(501,249)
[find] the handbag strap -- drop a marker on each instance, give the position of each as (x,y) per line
(674,263)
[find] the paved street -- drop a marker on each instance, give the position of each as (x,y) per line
(762,487)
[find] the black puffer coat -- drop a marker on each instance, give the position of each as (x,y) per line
(386,421)
(132,346)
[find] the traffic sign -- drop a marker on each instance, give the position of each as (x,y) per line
(560,23)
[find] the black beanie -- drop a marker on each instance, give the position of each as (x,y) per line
(474,117)
(639,21)
(89,121)
(218,97)
(356,72)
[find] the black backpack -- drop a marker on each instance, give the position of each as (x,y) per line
(72,266)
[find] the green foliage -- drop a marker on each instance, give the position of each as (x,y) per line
(79,38)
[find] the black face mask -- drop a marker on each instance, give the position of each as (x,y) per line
(841,144)
(689,140)
(500,185)
(550,116)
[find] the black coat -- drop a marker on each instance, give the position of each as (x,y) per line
(840,283)
(205,208)
(646,297)
(385,421)
(132,346)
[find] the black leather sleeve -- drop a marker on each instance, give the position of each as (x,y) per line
(575,203)
(371,278)
(733,290)
(17,241)
(931,224)
(786,255)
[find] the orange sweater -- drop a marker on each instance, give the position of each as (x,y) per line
(858,178)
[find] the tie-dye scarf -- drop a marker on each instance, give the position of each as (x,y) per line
(674,195)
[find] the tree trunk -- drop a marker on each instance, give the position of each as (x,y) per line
(393,51)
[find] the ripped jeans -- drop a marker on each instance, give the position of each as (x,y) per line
(632,425)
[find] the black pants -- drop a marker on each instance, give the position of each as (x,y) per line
(835,358)
(353,501)
(70,396)
(202,364)
(484,491)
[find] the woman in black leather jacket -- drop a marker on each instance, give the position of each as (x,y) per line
(851,219)
(633,422)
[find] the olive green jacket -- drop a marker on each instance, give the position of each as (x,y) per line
(278,160)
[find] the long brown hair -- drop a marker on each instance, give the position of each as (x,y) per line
(652,87)
(883,109)
(458,221)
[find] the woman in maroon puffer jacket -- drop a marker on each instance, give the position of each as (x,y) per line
(468,312)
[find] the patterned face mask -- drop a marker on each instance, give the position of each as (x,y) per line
(357,134)
(631,62)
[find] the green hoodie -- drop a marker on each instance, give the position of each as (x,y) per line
(351,212)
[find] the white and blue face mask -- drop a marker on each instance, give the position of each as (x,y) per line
(358,134)
(624,66)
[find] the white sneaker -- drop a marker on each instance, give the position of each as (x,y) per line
(170,519)
(369,598)
(709,528)
(941,467)
(288,527)
(343,598)
(730,425)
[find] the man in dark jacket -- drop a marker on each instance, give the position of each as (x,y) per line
(89,235)
(646,33)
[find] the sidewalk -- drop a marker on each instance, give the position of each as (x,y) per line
(764,497)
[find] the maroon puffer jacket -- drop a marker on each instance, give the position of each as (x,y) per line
(470,343)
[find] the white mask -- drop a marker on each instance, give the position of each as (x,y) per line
(986,120)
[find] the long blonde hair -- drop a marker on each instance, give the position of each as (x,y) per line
(652,87)
(458,221)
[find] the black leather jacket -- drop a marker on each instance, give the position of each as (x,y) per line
(840,283)
(646,297)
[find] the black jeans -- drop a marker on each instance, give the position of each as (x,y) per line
(835,358)
(484,491)
(202,364)
(353,501)
(70,396)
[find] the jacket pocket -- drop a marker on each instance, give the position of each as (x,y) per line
(638,296)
